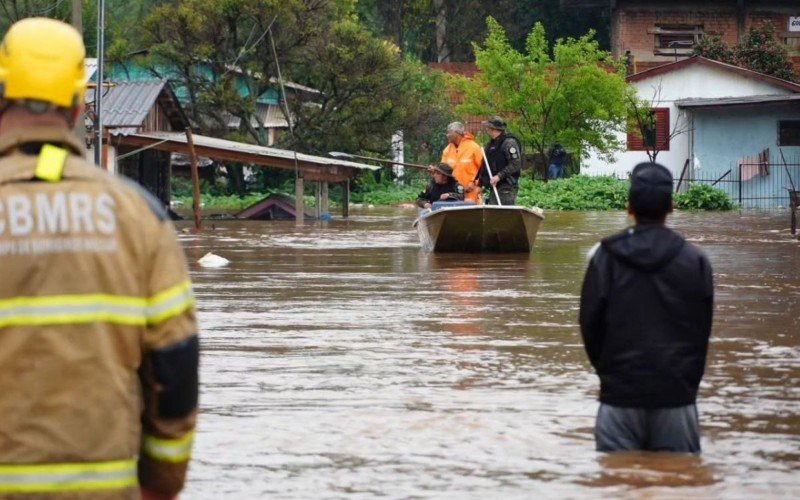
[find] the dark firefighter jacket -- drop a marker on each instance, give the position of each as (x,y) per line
(646,311)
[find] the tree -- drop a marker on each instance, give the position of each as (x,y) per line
(443,30)
(367,93)
(713,47)
(759,51)
(577,96)
(643,122)
(219,56)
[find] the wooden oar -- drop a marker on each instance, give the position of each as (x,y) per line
(489,170)
(337,154)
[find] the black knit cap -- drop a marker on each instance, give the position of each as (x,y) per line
(650,194)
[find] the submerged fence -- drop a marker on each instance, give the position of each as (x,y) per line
(755,185)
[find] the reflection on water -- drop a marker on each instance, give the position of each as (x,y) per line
(339,359)
(647,470)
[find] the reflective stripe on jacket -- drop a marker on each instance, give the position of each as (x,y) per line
(93,281)
(70,477)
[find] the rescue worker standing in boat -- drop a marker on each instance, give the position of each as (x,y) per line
(443,187)
(464,156)
(98,337)
(504,154)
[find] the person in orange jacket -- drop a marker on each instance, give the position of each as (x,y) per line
(465,156)
(98,336)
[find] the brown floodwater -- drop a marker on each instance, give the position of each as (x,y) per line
(338,359)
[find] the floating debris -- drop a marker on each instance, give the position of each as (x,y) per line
(213,260)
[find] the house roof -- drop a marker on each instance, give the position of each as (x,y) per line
(125,105)
(271,116)
(753,75)
(752,100)
(312,167)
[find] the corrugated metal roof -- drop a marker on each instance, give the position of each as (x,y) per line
(257,152)
(270,114)
(736,101)
(126,104)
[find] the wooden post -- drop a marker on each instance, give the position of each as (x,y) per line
(195,180)
(299,206)
(77,23)
(318,200)
(326,208)
(346,199)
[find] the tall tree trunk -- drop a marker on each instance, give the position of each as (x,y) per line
(442,47)
(400,4)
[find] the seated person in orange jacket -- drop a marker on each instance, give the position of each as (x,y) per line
(443,187)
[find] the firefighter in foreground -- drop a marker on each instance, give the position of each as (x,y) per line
(98,337)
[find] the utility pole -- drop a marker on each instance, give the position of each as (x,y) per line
(98,90)
(77,23)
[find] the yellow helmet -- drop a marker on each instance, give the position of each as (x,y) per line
(42,60)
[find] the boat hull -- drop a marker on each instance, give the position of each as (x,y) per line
(483,228)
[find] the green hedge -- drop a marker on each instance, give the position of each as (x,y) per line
(703,197)
(574,193)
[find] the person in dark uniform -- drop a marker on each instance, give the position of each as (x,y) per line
(645,316)
(504,153)
(557,157)
(443,187)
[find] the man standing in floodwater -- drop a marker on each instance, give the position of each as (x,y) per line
(645,316)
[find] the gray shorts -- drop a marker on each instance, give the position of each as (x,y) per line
(663,429)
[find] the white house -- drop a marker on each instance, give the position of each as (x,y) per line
(711,114)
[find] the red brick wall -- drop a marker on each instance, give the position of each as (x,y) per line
(630,25)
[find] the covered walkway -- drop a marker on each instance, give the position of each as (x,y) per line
(319,169)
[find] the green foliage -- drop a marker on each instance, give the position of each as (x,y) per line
(759,51)
(388,194)
(713,47)
(572,93)
(368,91)
(703,197)
(220,203)
(439,30)
(378,188)
(574,193)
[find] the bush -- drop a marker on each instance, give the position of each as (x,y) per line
(574,193)
(703,197)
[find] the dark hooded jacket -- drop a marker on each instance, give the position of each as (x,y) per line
(646,312)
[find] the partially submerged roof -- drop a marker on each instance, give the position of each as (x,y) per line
(276,206)
(752,100)
(125,105)
(315,168)
(746,73)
